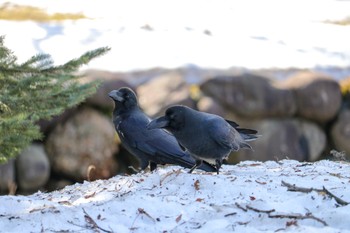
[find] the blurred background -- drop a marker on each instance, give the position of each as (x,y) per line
(282,67)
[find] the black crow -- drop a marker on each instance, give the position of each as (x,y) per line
(205,136)
(150,147)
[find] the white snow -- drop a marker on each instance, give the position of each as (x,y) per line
(171,200)
(245,33)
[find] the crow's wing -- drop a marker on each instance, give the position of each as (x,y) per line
(223,134)
(167,150)
(157,145)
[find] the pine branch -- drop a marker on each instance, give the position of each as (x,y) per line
(36,89)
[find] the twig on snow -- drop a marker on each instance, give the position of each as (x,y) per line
(294,188)
(260,211)
(230,214)
(177,172)
(92,224)
(298,216)
(140,211)
(337,199)
(272,214)
(241,207)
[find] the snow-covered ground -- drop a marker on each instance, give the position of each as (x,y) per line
(248,197)
(216,34)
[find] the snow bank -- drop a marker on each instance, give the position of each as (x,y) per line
(248,197)
(252,34)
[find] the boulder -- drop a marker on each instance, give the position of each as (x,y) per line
(87,138)
(318,97)
(7,176)
(284,138)
(340,132)
(162,91)
(33,168)
(46,126)
(250,95)
(313,138)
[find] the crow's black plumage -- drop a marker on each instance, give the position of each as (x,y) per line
(207,137)
(150,147)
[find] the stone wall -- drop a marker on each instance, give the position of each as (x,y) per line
(302,117)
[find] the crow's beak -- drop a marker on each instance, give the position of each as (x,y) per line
(116,95)
(160,122)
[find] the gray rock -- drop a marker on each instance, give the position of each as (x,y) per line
(340,132)
(313,138)
(46,126)
(251,95)
(163,91)
(87,138)
(7,175)
(288,138)
(33,168)
(318,96)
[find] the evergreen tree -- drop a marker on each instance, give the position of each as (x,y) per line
(36,90)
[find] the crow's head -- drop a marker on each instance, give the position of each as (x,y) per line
(124,97)
(173,120)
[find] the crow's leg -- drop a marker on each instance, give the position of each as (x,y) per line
(198,163)
(153,166)
(218,164)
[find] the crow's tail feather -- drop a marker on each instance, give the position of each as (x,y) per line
(248,134)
